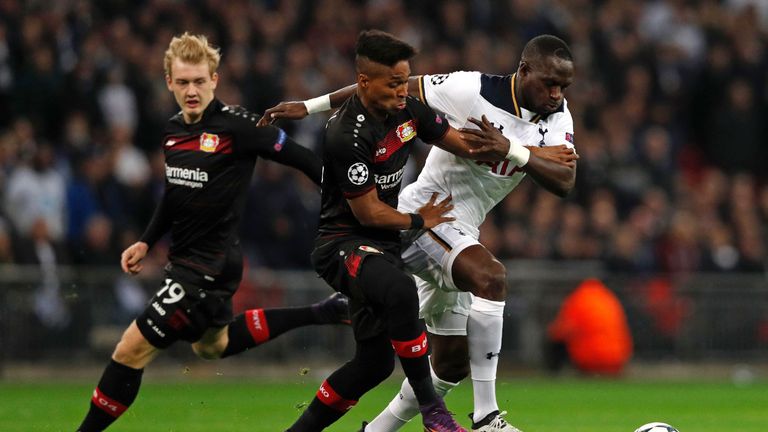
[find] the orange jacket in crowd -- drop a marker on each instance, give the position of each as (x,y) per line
(592,325)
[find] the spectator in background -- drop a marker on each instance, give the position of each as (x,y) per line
(36,192)
(667,90)
(736,139)
(591,330)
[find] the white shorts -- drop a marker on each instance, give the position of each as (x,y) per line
(430,258)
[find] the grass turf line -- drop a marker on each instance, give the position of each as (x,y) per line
(542,405)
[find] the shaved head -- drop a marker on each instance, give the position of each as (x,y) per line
(545,46)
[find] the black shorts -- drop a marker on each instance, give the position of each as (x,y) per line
(184,310)
(339,262)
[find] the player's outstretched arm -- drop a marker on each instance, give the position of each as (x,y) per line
(553,167)
(372,212)
(296,110)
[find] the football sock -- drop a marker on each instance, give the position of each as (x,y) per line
(415,363)
(404,406)
(115,392)
(325,408)
(372,364)
(256,326)
(484,328)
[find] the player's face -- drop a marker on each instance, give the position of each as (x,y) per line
(543,82)
(192,86)
(385,88)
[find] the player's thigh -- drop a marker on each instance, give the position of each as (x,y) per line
(134,350)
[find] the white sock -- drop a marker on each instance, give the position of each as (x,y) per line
(484,326)
(405,406)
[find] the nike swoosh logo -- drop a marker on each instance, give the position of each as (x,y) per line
(170,143)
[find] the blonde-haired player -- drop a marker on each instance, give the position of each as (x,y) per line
(210,152)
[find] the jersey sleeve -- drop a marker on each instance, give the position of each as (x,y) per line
(431,126)
(453,94)
(273,143)
(561,127)
(160,223)
(350,160)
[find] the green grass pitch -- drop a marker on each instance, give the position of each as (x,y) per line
(535,405)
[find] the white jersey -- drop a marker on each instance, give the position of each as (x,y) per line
(478,186)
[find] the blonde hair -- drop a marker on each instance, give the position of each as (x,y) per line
(192,49)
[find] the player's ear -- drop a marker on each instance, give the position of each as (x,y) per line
(523,68)
(168,82)
(363,80)
(215,79)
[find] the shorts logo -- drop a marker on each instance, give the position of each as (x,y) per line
(406,131)
(569,137)
(209,142)
(357,173)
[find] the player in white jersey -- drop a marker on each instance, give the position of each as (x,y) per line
(462,286)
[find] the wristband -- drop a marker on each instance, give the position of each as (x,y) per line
(517,153)
(417,221)
(318,104)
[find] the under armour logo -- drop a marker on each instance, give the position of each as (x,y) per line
(543,132)
(491,355)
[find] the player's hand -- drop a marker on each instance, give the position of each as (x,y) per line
(486,143)
(560,154)
(131,258)
(433,212)
(294,110)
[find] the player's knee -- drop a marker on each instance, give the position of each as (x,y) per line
(452,369)
(208,351)
(491,282)
(130,354)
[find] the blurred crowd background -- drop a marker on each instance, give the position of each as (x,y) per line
(669,103)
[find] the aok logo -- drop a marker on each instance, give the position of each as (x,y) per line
(324,392)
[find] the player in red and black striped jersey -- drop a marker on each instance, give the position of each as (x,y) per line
(210,152)
(357,251)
